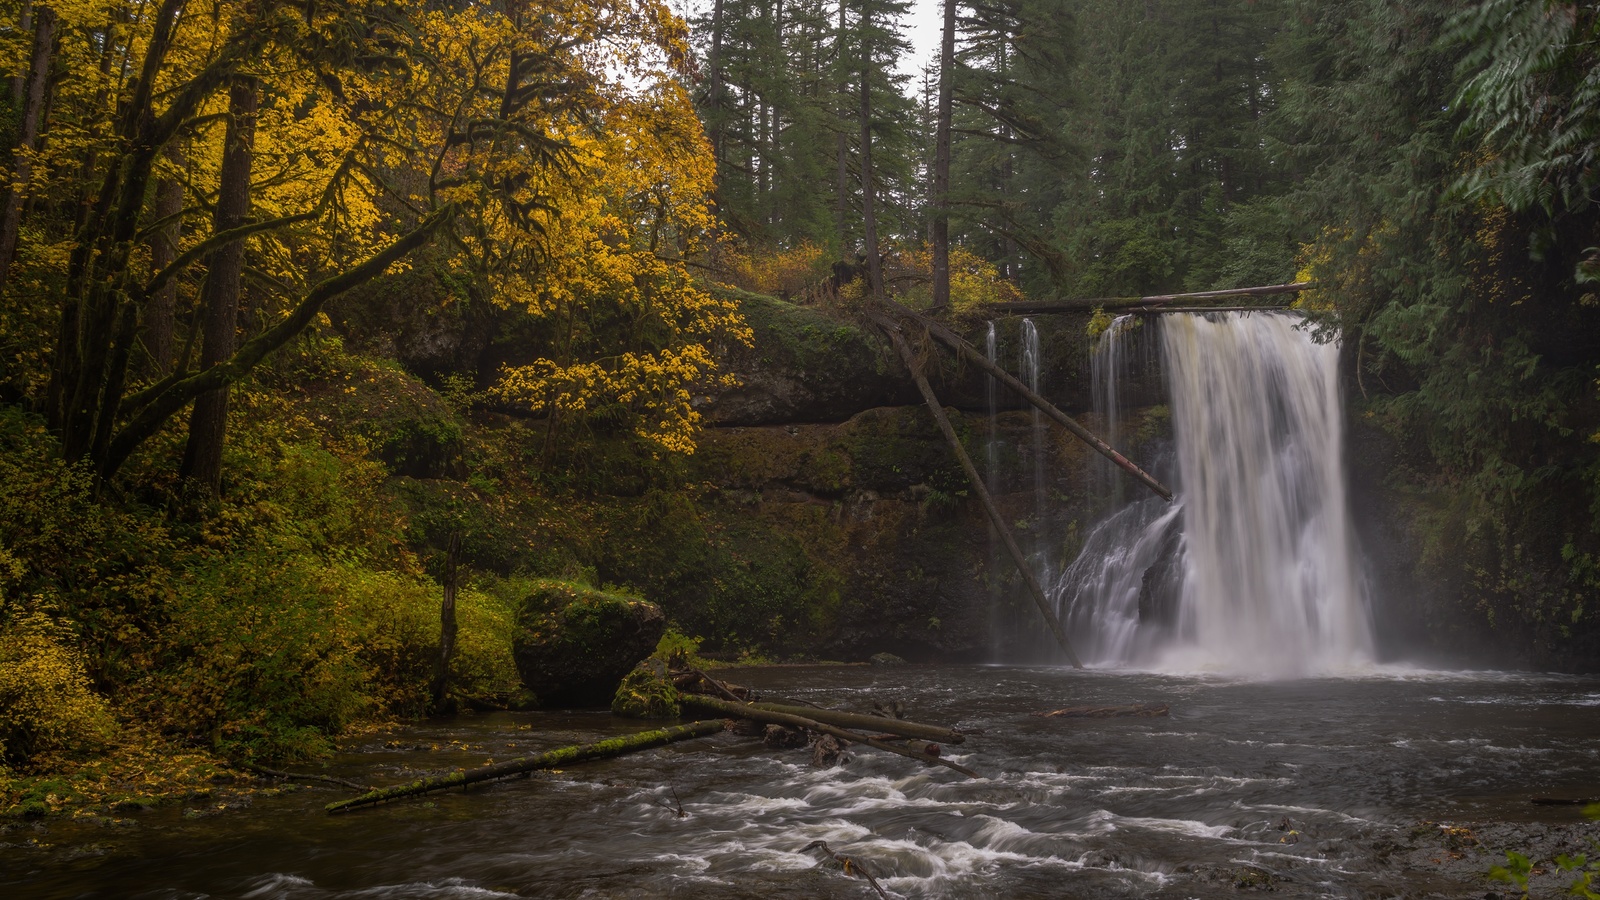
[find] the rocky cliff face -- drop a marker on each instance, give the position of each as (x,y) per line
(825,449)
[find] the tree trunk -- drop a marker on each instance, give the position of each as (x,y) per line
(19,81)
(621,746)
(976,481)
(162,309)
(1025,307)
(841,183)
(44,36)
(202,456)
(714,89)
(869,217)
(900,727)
(447,624)
(748,711)
(941,160)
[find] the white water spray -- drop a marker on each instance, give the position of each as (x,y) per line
(1256,572)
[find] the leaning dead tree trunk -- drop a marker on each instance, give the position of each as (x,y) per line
(976,480)
(748,711)
(548,760)
(956,343)
(1045,306)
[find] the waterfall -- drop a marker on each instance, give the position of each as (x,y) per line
(1108,368)
(1253,567)
(1041,500)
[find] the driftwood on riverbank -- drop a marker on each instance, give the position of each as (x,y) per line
(1136,711)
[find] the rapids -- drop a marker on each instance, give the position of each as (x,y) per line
(1167,807)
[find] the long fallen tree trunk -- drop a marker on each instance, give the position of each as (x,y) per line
(976,482)
(750,711)
(548,760)
(1047,306)
(960,345)
(899,727)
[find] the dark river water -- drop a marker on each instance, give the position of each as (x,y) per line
(1163,807)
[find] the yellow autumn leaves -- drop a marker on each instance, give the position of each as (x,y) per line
(616,244)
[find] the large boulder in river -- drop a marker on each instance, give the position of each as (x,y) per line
(574,644)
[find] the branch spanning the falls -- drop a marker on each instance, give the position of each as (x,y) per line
(955,342)
(1024,307)
(893,331)
(547,760)
(1168,310)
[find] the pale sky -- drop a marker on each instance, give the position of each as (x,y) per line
(921,27)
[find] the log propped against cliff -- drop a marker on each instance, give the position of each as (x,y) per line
(548,760)
(1023,307)
(892,330)
(956,343)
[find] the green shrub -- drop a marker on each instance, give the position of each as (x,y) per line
(270,654)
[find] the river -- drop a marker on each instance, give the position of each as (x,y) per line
(1318,783)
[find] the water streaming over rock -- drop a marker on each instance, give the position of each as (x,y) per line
(1030,367)
(1252,568)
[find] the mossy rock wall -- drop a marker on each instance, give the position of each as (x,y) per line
(808,365)
(839,541)
(804,366)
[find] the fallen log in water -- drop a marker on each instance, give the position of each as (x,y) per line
(896,727)
(548,760)
(752,711)
(1137,710)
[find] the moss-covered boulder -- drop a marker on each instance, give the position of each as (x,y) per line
(574,644)
(647,693)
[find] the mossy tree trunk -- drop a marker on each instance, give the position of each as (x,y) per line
(620,746)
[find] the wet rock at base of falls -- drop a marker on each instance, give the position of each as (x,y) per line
(827,752)
(1250,878)
(1161,586)
(778,737)
(885,659)
(647,692)
(573,644)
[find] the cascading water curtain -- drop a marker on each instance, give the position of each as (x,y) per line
(1041,499)
(1270,581)
(1257,552)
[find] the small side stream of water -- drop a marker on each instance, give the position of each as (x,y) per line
(1165,807)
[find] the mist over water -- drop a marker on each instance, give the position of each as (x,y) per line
(1252,569)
